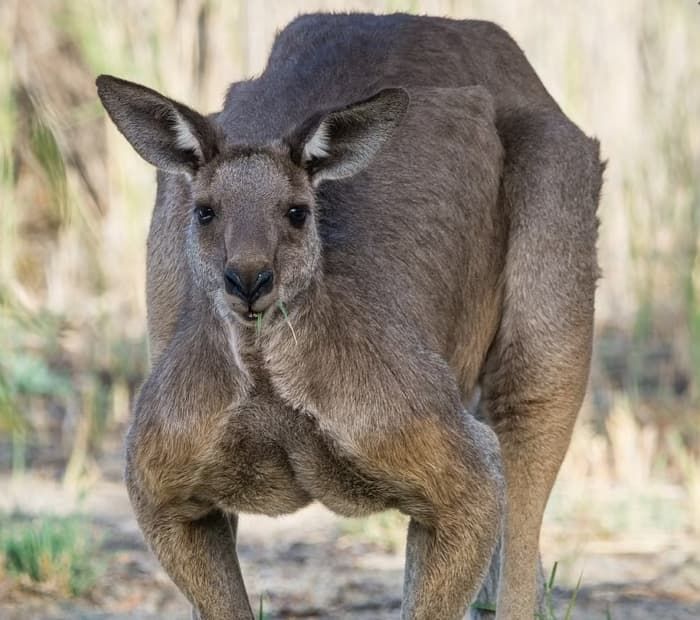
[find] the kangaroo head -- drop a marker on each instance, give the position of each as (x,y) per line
(253,238)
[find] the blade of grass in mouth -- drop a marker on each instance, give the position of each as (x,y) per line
(285,314)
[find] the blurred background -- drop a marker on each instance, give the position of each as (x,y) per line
(75,203)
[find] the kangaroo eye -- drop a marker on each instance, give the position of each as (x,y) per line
(297,215)
(204,214)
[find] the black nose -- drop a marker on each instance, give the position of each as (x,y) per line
(249,285)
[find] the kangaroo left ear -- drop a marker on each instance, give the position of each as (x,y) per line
(165,133)
(341,143)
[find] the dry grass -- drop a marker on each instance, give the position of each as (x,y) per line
(631,491)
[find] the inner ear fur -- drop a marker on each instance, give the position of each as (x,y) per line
(166,133)
(340,143)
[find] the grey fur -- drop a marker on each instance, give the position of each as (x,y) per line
(449,250)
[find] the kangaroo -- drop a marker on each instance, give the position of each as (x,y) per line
(370,284)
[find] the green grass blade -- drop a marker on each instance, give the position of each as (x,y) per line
(552,576)
(572,601)
(285,314)
(283,309)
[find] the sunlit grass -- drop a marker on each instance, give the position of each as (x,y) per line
(57,552)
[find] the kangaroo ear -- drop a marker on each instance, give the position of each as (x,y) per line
(341,143)
(165,133)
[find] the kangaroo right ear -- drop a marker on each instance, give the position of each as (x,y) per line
(165,133)
(341,143)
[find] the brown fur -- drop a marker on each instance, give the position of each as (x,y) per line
(449,250)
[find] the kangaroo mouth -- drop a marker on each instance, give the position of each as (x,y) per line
(252,315)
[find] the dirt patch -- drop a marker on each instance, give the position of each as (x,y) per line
(308,565)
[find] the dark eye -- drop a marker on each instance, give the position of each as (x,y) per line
(205,214)
(297,215)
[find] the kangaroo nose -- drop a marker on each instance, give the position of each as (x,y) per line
(249,285)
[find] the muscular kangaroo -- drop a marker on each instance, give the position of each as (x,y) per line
(394,220)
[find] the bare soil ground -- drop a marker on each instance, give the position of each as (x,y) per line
(310,565)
